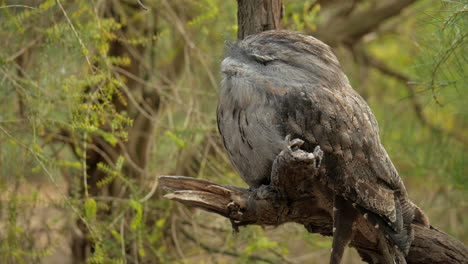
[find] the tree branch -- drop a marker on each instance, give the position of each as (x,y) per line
(219,251)
(417,106)
(349,29)
(297,194)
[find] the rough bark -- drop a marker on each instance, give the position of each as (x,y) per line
(255,16)
(296,194)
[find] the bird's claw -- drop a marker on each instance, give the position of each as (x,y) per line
(234,209)
(294,144)
(318,153)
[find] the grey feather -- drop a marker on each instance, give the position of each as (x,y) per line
(277,83)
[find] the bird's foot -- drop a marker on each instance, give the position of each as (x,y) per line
(234,210)
(295,170)
(293,147)
(265,192)
(318,156)
(294,144)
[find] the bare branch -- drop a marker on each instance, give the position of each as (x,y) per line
(349,29)
(296,194)
(142,5)
(24,6)
(76,35)
(417,106)
(224,252)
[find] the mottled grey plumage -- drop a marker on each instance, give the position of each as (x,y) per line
(280,83)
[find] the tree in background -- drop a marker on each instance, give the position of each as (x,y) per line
(100,97)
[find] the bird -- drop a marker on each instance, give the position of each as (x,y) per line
(281,84)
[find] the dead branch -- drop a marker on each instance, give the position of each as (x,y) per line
(348,29)
(297,194)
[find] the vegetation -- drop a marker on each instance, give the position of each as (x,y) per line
(98,98)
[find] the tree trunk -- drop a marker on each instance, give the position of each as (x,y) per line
(255,16)
(135,150)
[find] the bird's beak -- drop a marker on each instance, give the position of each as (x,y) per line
(231,71)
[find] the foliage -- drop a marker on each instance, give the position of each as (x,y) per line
(67,96)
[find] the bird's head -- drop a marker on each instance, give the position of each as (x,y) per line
(278,59)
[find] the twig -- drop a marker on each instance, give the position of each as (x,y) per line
(23,50)
(210,228)
(417,106)
(52,179)
(224,252)
(142,5)
(85,134)
(349,29)
(150,193)
(125,88)
(122,240)
(25,6)
(180,26)
(176,241)
(442,60)
(283,258)
(76,34)
(62,137)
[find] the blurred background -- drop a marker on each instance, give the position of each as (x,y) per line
(98,98)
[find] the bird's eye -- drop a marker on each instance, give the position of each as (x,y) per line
(262,59)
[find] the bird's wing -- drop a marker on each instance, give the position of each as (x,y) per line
(341,122)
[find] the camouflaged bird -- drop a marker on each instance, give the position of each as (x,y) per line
(279,83)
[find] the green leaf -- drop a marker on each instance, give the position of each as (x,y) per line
(109,137)
(116,235)
(119,163)
(262,242)
(179,142)
(141,252)
(90,208)
(160,223)
(136,222)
